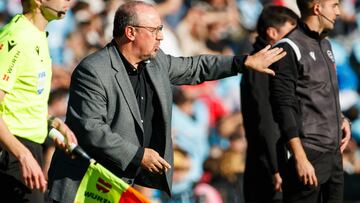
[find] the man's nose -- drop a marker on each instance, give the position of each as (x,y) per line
(159,35)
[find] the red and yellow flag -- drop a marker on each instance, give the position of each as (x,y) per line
(100,185)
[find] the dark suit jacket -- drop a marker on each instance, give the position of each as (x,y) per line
(104,115)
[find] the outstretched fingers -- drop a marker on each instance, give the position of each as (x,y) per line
(277,55)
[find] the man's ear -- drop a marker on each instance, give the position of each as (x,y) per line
(130,33)
(316,9)
(271,34)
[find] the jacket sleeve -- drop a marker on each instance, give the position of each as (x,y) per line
(197,69)
(283,94)
(87,116)
(267,127)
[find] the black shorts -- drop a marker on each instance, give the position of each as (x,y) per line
(12,187)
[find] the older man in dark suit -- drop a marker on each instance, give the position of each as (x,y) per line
(120,102)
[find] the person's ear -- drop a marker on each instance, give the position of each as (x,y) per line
(317,9)
(130,33)
(271,33)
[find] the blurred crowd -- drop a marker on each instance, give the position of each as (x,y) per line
(207,128)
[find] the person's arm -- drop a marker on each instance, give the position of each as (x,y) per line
(48,152)
(283,99)
(306,171)
(197,69)
(286,111)
(267,127)
(30,169)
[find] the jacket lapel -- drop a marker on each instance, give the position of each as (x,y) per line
(124,83)
(157,81)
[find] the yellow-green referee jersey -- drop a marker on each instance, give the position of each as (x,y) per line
(25,76)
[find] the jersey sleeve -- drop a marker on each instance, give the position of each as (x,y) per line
(10,60)
(283,94)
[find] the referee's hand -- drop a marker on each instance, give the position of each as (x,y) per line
(59,125)
(31,172)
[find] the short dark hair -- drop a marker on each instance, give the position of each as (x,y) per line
(305,6)
(125,15)
(274,16)
(26,5)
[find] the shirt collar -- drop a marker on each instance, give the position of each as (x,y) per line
(310,33)
(130,69)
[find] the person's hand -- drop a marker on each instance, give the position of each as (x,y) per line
(345,127)
(153,162)
(306,172)
(31,172)
(261,60)
(66,132)
(277,182)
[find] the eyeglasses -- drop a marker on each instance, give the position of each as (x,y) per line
(153,30)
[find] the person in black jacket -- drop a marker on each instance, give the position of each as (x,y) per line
(261,171)
(305,101)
